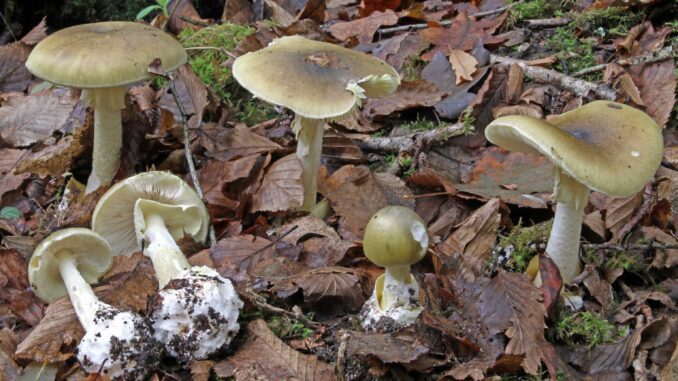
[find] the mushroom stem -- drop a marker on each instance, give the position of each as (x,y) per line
(107,103)
(563,245)
(85,303)
(397,285)
(309,147)
(168,260)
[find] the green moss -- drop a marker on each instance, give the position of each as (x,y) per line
(412,68)
(420,124)
(588,329)
(609,21)
(286,328)
(529,10)
(521,244)
(468,120)
(565,43)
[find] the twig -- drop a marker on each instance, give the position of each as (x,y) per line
(542,75)
(409,142)
(259,301)
(444,22)
(340,365)
(632,247)
(195,22)
(660,55)
(226,52)
(548,23)
(189,156)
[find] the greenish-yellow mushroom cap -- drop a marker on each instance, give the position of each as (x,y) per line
(609,147)
(104,54)
(395,236)
(316,80)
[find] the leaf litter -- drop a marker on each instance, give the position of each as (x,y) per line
(480,321)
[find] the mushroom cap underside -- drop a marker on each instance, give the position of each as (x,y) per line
(114,215)
(609,147)
(103,54)
(311,77)
(90,251)
(395,236)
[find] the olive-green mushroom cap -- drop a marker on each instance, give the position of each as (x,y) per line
(114,215)
(104,54)
(90,251)
(395,236)
(311,77)
(609,147)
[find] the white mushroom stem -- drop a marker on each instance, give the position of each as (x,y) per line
(309,147)
(84,301)
(107,104)
(397,285)
(168,260)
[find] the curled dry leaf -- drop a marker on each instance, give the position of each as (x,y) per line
(468,249)
(619,212)
(363,29)
(410,94)
(265,357)
(190,91)
(281,187)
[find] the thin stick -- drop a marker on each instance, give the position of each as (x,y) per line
(631,247)
(548,23)
(189,155)
(660,55)
(259,301)
(445,22)
(542,75)
(408,142)
(226,52)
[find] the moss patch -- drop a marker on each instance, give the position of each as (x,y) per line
(588,329)
(515,249)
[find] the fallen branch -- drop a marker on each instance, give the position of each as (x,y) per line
(548,23)
(401,28)
(542,75)
(260,302)
(660,55)
(631,247)
(409,142)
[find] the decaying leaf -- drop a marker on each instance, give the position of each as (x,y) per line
(664,258)
(385,347)
(230,143)
(13,73)
(468,249)
(464,65)
(410,94)
(265,357)
(462,34)
(321,244)
(364,28)
(27,120)
(235,257)
(9,160)
(190,91)
(332,290)
(619,211)
(281,188)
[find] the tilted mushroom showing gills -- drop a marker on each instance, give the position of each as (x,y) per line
(603,146)
(395,238)
(120,342)
(318,81)
(196,312)
(102,58)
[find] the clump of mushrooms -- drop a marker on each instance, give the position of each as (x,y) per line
(319,82)
(118,342)
(395,238)
(196,312)
(603,146)
(102,59)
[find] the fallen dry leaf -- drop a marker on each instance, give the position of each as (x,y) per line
(410,94)
(235,257)
(9,160)
(367,7)
(468,249)
(265,357)
(619,211)
(665,258)
(190,91)
(338,147)
(281,187)
(462,34)
(27,120)
(363,29)
(464,65)
(13,73)
(321,245)
(230,143)
(386,347)
(511,304)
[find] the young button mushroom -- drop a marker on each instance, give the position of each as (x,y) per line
(120,342)
(196,312)
(318,81)
(395,238)
(603,146)
(102,58)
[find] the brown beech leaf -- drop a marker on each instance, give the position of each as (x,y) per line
(321,244)
(337,146)
(190,91)
(367,7)
(470,246)
(363,28)
(599,289)
(328,288)
(511,304)
(229,143)
(9,160)
(619,211)
(281,188)
(386,347)
(265,357)
(532,175)
(532,110)
(235,257)
(314,10)
(464,65)
(237,12)
(630,88)
(27,120)
(462,34)
(410,94)
(13,283)
(182,10)
(551,283)
(14,77)
(355,196)
(665,258)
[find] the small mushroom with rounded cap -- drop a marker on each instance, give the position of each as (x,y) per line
(395,238)
(119,342)
(102,59)
(319,82)
(603,146)
(196,312)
